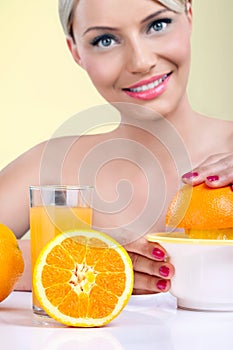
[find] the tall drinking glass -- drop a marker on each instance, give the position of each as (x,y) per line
(54,209)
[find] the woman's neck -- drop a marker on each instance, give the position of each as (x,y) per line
(183,131)
(183,118)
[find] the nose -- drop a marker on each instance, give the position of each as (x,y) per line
(140,57)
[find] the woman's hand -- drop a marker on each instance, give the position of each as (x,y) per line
(215,171)
(152,271)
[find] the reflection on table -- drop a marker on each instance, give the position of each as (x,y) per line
(147,322)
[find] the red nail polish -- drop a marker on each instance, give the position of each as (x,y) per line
(158,254)
(212,178)
(164,271)
(190,175)
(162,285)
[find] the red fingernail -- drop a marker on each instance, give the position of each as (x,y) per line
(212,178)
(190,175)
(162,284)
(164,271)
(158,254)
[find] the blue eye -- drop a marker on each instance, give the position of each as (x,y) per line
(159,24)
(104,41)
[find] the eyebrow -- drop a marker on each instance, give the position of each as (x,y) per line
(99,28)
(153,15)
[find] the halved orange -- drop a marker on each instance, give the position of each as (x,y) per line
(203,212)
(83,278)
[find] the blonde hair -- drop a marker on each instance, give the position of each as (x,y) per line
(67,7)
(176,5)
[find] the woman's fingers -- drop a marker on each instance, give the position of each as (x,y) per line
(150,275)
(223,178)
(151,267)
(214,158)
(150,250)
(215,171)
(150,284)
(152,271)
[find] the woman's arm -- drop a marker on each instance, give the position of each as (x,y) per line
(15,180)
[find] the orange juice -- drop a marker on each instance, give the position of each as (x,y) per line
(48,221)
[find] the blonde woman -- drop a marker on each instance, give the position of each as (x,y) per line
(137,54)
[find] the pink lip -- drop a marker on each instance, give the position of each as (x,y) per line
(151,93)
(145,82)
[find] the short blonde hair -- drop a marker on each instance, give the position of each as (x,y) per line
(175,5)
(66,11)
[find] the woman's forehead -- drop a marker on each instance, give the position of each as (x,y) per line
(66,7)
(114,13)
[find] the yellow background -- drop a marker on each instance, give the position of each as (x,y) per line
(41,86)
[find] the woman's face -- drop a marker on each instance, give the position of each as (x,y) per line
(135,51)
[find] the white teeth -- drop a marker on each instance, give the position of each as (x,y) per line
(148,86)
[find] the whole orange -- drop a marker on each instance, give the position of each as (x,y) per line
(11,261)
(201,208)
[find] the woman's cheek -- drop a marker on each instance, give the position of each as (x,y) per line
(178,49)
(103,71)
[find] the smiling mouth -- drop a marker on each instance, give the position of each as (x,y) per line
(148,86)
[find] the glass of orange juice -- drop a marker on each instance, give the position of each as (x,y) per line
(55,209)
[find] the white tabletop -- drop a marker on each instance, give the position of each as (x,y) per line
(147,322)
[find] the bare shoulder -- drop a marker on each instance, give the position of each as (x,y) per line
(23,163)
(225,126)
(225,130)
(219,131)
(50,153)
(15,180)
